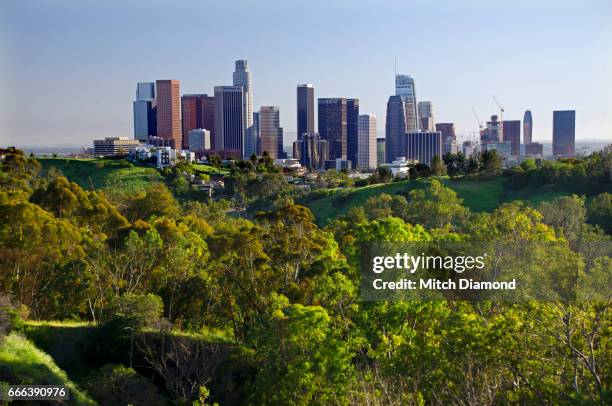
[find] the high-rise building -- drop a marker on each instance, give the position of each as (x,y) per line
(366,146)
(493,132)
(449,138)
(312,151)
(424,145)
(256,131)
(352,129)
(564,132)
(229,118)
(242,77)
(333,126)
(270,131)
(169,112)
(404,87)
(534,149)
(527,127)
(380,151)
(305,110)
(197,111)
(512,134)
(426,116)
(145,111)
(395,129)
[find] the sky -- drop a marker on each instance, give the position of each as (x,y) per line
(68,68)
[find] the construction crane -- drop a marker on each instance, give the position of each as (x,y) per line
(477,119)
(501,119)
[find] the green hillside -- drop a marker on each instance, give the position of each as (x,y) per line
(22,363)
(114,176)
(477,194)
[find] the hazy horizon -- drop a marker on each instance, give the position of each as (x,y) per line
(68,69)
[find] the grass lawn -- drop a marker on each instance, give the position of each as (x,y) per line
(477,194)
(112,176)
(22,363)
(211,170)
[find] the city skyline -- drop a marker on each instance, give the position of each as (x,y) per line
(82,87)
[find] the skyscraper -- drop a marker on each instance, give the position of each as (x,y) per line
(305,110)
(527,127)
(493,132)
(426,116)
(512,134)
(367,144)
(229,118)
(333,126)
(423,146)
(352,128)
(197,111)
(380,151)
(564,132)
(169,112)
(404,87)
(311,150)
(145,111)
(256,131)
(242,77)
(395,129)
(449,138)
(270,131)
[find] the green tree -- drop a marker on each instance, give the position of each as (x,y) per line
(600,212)
(438,168)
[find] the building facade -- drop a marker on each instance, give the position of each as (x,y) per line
(270,131)
(312,151)
(426,116)
(333,125)
(145,111)
(395,129)
(564,133)
(404,87)
(449,137)
(534,149)
(229,118)
(114,146)
(527,127)
(242,77)
(199,139)
(367,143)
(512,134)
(422,146)
(197,111)
(493,132)
(352,130)
(380,151)
(169,111)
(305,110)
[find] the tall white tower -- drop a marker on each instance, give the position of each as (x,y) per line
(242,77)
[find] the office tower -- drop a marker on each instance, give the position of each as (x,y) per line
(199,139)
(564,132)
(312,151)
(256,131)
(449,138)
(352,128)
(305,110)
(197,111)
(426,116)
(527,127)
(395,130)
(493,132)
(145,120)
(229,118)
(404,87)
(424,145)
(332,126)
(380,151)
(367,143)
(512,134)
(169,112)
(242,77)
(270,131)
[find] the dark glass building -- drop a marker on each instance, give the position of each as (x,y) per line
(564,132)
(352,125)
(395,131)
(423,146)
(333,126)
(512,133)
(229,118)
(305,110)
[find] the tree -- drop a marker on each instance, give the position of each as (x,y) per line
(437,166)
(491,162)
(435,206)
(566,214)
(118,385)
(600,211)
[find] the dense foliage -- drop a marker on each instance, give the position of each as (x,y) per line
(266,309)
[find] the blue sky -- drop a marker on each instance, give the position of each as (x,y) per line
(68,69)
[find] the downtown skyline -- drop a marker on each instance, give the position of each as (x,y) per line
(75,102)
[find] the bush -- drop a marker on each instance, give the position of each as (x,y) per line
(119,385)
(139,310)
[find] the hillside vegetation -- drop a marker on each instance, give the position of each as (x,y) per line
(477,194)
(21,362)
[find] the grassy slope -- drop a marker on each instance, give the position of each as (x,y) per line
(478,195)
(21,362)
(103,174)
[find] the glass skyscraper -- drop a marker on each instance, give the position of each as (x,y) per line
(564,132)
(305,110)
